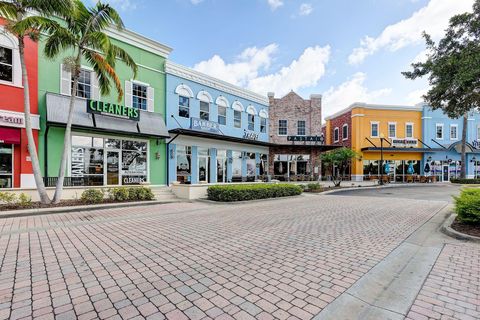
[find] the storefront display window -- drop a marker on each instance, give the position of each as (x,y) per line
(251,165)
(184,164)
(237,165)
(291,167)
(6,165)
(203,164)
(263,164)
(371,168)
(221,166)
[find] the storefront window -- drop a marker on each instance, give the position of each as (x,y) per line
(476,169)
(183,107)
(237,165)
(251,165)
(203,164)
(221,166)
(6,165)
(184,164)
(263,164)
(371,168)
(6,64)
(291,167)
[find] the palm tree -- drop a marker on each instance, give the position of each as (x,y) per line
(27,19)
(84,35)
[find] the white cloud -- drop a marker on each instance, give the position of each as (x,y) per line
(246,69)
(123,5)
(305,9)
(350,91)
(275,4)
(415,96)
(433,18)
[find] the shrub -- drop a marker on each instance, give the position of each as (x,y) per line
(140,194)
(467,206)
(24,200)
(119,194)
(465,181)
(8,197)
(92,196)
(229,193)
(314,186)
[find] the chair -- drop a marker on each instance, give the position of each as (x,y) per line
(410,179)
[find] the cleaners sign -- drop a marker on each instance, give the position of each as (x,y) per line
(113,110)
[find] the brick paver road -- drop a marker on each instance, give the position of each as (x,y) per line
(279,259)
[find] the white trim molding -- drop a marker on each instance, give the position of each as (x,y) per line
(204,96)
(374,107)
(139,41)
(184,91)
(251,110)
(238,106)
(263,114)
(378,129)
(222,102)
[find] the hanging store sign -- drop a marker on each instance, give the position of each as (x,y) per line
(113,110)
(404,143)
(250,135)
(305,139)
(10,119)
(204,125)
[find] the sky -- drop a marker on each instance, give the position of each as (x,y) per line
(347,50)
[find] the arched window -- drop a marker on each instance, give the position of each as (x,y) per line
(184,95)
(222,105)
(10,70)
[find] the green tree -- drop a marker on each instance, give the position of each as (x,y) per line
(85,36)
(453,70)
(26,19)
(339,158)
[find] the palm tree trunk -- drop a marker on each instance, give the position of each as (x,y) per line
(463,172)
(32,149)
(68,130)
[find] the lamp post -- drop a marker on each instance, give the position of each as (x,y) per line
(381,158)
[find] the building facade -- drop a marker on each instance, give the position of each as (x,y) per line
(219,132)
(296,137)
(15,162)
(444,135)
(112,143)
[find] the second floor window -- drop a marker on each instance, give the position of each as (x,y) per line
(301,131)
(392,130)
(282,127)
(374,130)
(409,130)
(439,131)
(184,107)
(263,125)
(251,122)
(222,115)
(139,96)
(84,86)
(237,119)
(345,132)
(453,132)
(204,110)
(6,64)
(336,135)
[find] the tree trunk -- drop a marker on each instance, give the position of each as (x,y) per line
(32,148)
(463,169)
(68,129)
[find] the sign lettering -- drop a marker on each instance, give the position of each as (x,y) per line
(113,110)
(306,139)
(134,180)
(78,162)
(12,120)
(250,135)
(204,125)
(408,142)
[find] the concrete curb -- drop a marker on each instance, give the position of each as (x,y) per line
(449,231)
(47,211)
(372,187)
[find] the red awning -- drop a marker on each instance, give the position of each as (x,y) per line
(9,135)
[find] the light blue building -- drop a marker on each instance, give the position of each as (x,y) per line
(444,136)
(219,132)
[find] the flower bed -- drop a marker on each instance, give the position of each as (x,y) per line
(230,193)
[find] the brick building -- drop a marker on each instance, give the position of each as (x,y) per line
(338,132)
(296,132)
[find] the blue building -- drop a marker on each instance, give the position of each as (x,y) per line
(219,132)
(444,136)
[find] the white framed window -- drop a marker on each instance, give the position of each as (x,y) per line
(392,129)
(282,127)
(301,128)
(263,125)
(237,119)
(87,87)
(409,130)
(222,115)
(204,110)
(251,122)
(84,86)
(345,132)
(454,132)
(139,96)
(6,64)
(336,134)
(374,128)
(439,131)
(183,107)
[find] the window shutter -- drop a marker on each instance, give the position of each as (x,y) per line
(65,80)
(95,88)
(150,99)
(128,94)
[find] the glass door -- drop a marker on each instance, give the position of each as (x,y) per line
(203,169)
(446,173)
(113,168)
(6,165)
(221,170)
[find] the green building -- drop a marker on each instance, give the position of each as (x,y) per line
(112,143)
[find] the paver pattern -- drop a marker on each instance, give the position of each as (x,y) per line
(283,259)
(452,289)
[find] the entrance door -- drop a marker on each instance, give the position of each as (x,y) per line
(446,172)
(113,168)
(6,165)
(221,170)
(203,169)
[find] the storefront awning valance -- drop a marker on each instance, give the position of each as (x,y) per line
(149,124)
(373,149)
(208,135)
(9,135)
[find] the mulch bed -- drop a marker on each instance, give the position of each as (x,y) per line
(63,203)
(470,229)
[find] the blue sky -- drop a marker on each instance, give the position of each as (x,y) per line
(344,49)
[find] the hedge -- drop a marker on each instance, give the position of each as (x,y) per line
(465,181)
(467,205)
(242,192)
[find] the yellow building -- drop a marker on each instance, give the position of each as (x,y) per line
(370,129)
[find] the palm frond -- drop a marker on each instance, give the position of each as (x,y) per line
(97,40)
(50,7)
(34,24)
(102,16)
(60,39)
(116,52)
(8,10)
(105,72)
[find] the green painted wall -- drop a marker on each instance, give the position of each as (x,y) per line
(150,70)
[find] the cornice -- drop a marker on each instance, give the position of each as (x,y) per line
(198,77)
(139,41)
(374,107)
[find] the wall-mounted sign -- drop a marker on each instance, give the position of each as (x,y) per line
(12,120)
(404,143)
(113,110)
(476,144)
(306,139)
(204,125)
(250,135)
(133,180)
(78,162)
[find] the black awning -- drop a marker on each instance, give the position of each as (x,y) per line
(209,135)
(391,149)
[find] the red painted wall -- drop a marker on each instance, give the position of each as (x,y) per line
(11,99)
(338,122)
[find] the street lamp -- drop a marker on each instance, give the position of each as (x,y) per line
(381,158)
